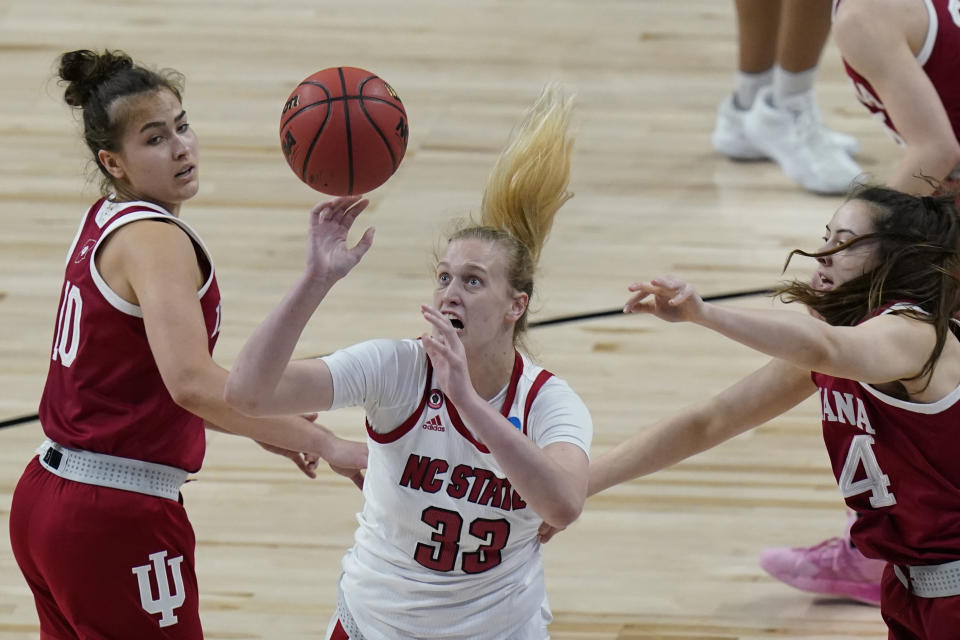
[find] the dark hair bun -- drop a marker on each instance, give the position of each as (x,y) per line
(85,70)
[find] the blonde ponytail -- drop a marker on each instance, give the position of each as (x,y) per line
(528,183)
(525,189)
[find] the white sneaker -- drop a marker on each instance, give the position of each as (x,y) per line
(794,137)
(730,139)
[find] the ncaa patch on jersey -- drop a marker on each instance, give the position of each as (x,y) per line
(515,421)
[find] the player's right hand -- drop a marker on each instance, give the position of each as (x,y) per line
(667,297)
(329,258)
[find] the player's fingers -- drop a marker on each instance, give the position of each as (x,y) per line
(354,209)
(321,212)
(546,532)
(363,244)
(436,346)
(439,321)
(682,296)
(433,347)
(301,463)
(357,479)
(341,209)
(642,307)
(639,286)
(634,300)
(668,283)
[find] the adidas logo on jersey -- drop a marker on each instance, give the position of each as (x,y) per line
(434,424)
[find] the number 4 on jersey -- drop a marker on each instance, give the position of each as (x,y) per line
(876,481)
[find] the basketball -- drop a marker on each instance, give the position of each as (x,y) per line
(343,131)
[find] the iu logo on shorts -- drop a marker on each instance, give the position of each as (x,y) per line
(166,601)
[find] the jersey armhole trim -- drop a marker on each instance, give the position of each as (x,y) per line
(83,225)
(538,383)
(457,421)
(932,28)
(927,408)
(112,296)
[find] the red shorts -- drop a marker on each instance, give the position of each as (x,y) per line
(104,563)
(910,617)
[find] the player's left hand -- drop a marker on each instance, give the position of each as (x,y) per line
(446,353)
(307,463)
(667,297)
(547,531)
(355,475)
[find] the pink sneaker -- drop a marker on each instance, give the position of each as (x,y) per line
(831,568)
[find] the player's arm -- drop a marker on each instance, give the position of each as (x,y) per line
(157,261)
(263,380)
(882,349)
(552,480)
(872,36)
(755,399)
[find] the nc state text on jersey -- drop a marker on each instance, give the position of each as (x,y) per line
(475,484)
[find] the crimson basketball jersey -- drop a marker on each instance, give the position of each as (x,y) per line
(103,391)
(940,59)
(896,465)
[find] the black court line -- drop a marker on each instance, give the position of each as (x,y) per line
(21,420)
(539,323)
(619,310)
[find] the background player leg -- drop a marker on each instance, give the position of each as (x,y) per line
(772,112)
(757,26)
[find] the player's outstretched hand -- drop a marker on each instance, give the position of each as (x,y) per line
(667,297)
(329,257)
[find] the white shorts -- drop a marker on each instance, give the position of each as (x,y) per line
(534,629)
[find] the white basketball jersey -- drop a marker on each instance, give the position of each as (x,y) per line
(446,547)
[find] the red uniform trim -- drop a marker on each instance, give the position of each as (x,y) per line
(504,410)
(541,380)
(339,633)
(405,426)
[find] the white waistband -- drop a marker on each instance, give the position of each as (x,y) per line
(112,471)
(931,581)
(346,618)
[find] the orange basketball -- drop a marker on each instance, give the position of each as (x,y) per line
(343,130)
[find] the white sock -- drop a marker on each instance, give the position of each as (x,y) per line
(787,84)
(747,85)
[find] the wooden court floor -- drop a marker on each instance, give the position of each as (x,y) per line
(669,556)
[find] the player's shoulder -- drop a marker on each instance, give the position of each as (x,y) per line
(151,237)
(387,350)
(555,390)
(865,20)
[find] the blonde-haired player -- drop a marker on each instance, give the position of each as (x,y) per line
(471,444)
